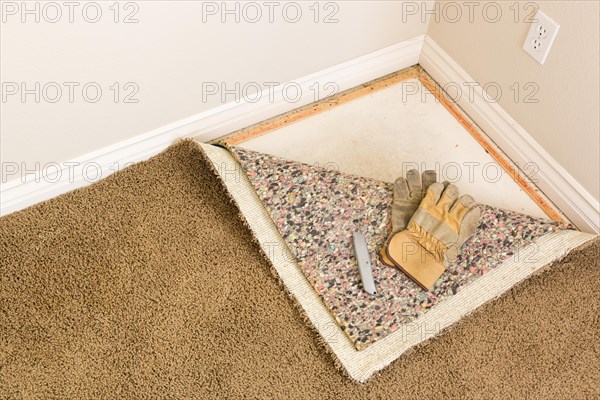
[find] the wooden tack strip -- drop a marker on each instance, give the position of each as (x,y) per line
(416,71)
(491,150)
(311,109)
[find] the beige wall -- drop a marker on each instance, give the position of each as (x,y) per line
(565,121)
(168,54)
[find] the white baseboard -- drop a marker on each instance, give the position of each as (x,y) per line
(553,180)
(556,183)
(18,194)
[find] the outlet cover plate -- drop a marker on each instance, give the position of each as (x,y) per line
(541,35)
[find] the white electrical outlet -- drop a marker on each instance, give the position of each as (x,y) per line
(540,37)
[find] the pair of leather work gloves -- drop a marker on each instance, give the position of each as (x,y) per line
(430,223)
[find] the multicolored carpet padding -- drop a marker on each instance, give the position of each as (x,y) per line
(303,217)
(316,210)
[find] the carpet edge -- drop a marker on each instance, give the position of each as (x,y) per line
(276,275)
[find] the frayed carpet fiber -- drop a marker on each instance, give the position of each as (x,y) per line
(149,285)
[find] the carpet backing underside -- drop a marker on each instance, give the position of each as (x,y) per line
(148,284)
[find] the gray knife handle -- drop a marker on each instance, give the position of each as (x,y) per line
(364,262)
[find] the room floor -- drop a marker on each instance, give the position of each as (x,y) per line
(385,133)
(131,289)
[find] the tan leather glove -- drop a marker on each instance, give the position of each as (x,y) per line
(408,193)
(432,236)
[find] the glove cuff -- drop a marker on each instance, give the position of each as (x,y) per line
(426,240)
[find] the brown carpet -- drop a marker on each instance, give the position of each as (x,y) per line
(148,285)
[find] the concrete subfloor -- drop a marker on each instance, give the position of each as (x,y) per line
(384,134)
